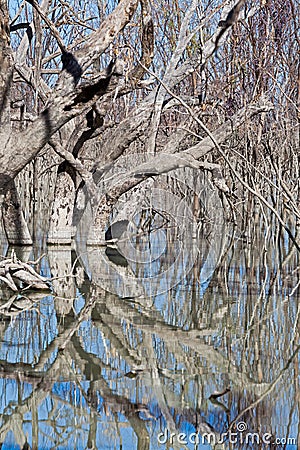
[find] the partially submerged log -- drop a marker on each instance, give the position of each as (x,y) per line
(18,275)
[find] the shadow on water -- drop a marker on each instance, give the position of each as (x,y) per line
(99,364)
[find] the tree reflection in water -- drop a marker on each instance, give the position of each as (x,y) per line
(85,368)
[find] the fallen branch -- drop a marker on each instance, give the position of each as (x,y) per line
(18,275)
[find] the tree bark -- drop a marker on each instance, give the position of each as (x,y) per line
(15,226)
(5,67)
(17,149)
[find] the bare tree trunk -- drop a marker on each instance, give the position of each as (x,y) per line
(5,65)
(13,219)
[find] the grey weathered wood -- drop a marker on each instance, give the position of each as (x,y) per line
(61,226)
(15,226)
(17,149)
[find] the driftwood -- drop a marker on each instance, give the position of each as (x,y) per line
(18,275)
(19,303)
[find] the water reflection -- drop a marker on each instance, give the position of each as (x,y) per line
(87,368)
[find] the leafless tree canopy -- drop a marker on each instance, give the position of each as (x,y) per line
(84,83)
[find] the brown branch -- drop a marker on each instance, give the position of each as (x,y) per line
(147,42)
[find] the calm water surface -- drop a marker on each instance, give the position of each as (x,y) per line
(121,356)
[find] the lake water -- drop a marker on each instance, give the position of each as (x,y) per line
(195,347)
